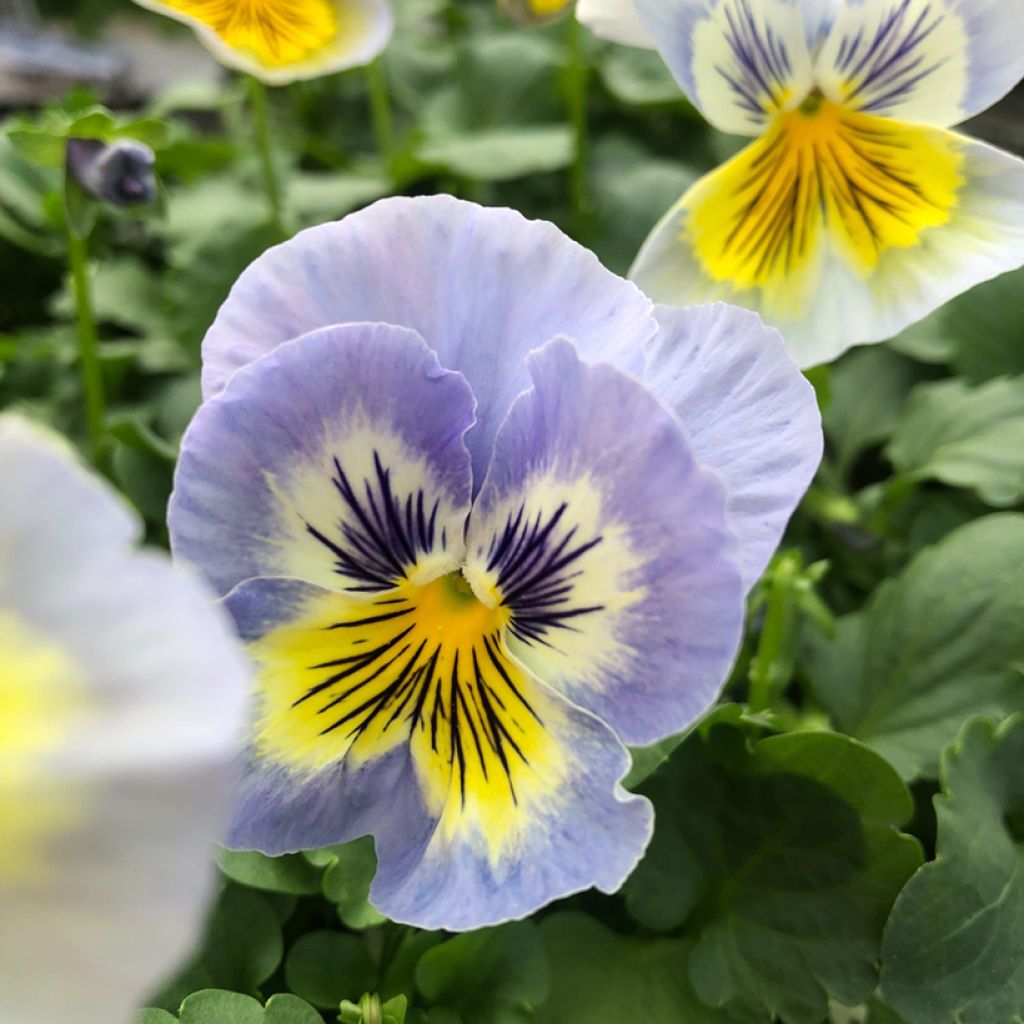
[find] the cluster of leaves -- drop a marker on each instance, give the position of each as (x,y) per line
(842,840)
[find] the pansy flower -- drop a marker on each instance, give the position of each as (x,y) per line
(281,41)
(856,211)
(483,513)
(122,691)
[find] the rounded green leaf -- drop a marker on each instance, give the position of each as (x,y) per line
(213,1006)
(324,967)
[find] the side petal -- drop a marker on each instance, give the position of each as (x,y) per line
(739,61)
(110,807)
(933,62)
(337,458)
(504,799)
(607,543)
(747,411)
(282,41)
(483,286)
(615,20)
(840,228)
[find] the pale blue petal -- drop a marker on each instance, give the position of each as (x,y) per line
(747,411)
(258,490)
(608,541)
(483,286)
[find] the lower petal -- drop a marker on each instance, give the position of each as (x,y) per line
(841,228)
(488,795)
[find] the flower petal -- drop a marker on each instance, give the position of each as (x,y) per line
(616,20)
(488,796)
(607,542)
(933,62)
(118,802)
(337,459)
(841,230)
(282,41)
(748,413)
(483,286)
(739,61)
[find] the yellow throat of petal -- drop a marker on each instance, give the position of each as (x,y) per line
(276,33)
(40,696)
(822,174)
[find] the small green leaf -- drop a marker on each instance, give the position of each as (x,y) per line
(346,882)
(154,1016)
(965,437)
(491,976)
(243,944)
(292,873)
(324,967)
(640,77)
(500,154)
(934,645)
(782,860)
(214,1006)
(599,977)
(289,1009)
(954,946)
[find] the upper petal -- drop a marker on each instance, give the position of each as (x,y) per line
(933,62)
(739,61)
(282,41)
(747,411)
(840,228)
(117,791)
(337,458)
(607,543)
(616,20)
(482,286)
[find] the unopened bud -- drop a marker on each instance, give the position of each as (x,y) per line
(120,173)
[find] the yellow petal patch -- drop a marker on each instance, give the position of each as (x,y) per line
(822,175)
(40,694)
(424,665)
(276,33)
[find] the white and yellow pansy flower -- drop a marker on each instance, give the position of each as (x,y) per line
(281,41)
(856,211)
(121,691)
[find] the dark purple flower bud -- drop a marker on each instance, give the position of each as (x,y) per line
(120,173)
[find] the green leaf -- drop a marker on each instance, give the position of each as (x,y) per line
(965,437)
(491,976)
(346,883)
(869,389)
(325,967)
(243,944)
(782,860)
(640,78)
(502,153)
(154,1016)
(292,873)
(938,643)
(954,946)
(599,977)
(213,1006)
(647,760)
(289,1009)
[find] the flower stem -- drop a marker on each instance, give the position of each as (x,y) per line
(88,343)
(772,666)
(578,73)
(261,129)
(380,110)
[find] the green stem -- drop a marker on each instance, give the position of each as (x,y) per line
(380,110)
(88,342)
(578,73)
(261,129)
(771,667)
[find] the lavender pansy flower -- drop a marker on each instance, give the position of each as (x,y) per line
(483,514)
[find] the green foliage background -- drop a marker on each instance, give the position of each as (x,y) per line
(841,840)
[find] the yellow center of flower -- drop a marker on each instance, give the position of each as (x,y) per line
(422,665)
(821,173)
(40,693)
(277,33)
